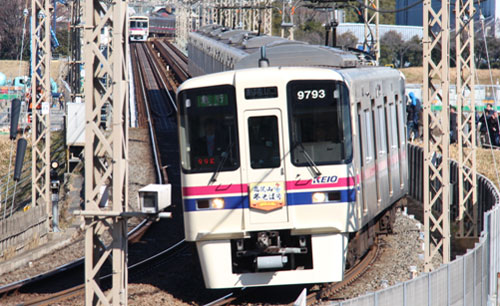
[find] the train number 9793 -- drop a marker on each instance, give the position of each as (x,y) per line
(311,94)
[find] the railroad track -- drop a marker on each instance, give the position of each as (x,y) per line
(173,58)
(61,271)
(155,81)
(138,268)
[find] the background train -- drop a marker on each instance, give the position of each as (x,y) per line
(142,27)
(138,28)
(162,26)
(285,167)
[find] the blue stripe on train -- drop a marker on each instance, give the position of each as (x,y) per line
(298,198)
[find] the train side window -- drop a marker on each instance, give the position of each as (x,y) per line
(368,137)
(402,136)
(388,126)
(361,157)
(395,129)
(381,125)
(374,133)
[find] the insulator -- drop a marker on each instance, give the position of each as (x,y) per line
(15,109)
(21,150)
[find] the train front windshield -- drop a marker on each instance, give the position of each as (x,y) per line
(208,136)
(320,124)
(142,24)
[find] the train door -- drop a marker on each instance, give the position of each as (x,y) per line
(378,153)
(382,154)
(368,170)
(265,168)
(394,152)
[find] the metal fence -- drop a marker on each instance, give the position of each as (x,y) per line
(469,280)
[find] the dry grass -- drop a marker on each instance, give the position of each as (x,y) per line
(5,145)
(11,68)
(487,162)
(414,75)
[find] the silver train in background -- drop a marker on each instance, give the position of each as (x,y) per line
(288,157)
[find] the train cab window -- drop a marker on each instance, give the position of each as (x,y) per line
(208,129)
(264,142)
(320,123)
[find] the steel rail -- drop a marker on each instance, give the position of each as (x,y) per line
(133,235)
(158,76)
(173,60)
(152,135)
(80,289)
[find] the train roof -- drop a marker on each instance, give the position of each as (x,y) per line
(301,55)
(280,51)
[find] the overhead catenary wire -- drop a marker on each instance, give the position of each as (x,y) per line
(361,4)
(494,94)
(26,14)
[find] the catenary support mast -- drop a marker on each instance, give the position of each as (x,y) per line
(466,120)
(372,19)
(41,55)
(436,127)
(106,148)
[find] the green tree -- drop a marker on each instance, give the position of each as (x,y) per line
(413,51)
(63,38)
(311,31)
(391,48)
(354,12)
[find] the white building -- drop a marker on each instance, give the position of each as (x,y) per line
(358,29)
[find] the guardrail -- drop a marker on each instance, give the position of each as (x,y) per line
(470,279)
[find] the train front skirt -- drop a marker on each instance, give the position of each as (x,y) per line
(328,250)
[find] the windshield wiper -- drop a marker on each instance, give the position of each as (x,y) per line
(224,156)
(311,164)
(213,178)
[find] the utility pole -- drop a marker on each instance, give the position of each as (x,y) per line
(41,95)
(466,121)
(436,126)
(106,150)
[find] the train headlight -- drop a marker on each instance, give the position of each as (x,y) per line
(217,203)
(319,197)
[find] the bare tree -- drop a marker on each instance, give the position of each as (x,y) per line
(11,23)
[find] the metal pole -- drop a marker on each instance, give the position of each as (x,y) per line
(436,133)
(41,55)
(466,121)
(372,18)
(106,150)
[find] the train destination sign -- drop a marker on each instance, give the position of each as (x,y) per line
(261,93)
(267,195)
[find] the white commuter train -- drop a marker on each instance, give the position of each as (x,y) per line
(138,28)
(284,168)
